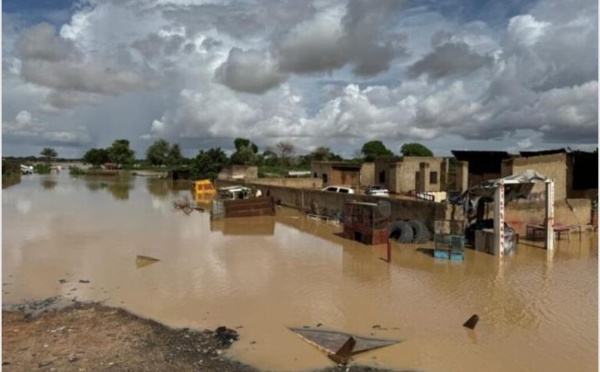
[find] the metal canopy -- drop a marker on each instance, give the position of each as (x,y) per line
(520,185)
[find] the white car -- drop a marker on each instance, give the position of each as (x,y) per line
(234,192)
(382,192)
(340,189)
(377,190)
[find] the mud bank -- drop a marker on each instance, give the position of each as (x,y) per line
(94,337)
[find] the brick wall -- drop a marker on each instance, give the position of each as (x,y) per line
(552,166)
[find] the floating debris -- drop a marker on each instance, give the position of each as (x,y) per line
(185,205)
(472,322)
(340,346)
(143,261)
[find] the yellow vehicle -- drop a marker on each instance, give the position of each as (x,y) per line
(204,187)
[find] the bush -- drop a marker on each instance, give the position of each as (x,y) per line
(41,168)
(76,171)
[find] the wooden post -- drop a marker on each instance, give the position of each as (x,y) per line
(389,252)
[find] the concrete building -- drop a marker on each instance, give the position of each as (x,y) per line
(412,174)
(355,175)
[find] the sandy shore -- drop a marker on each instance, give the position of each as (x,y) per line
(93,337)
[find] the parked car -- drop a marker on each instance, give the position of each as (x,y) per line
(234,192)
(377,190)
(340,189)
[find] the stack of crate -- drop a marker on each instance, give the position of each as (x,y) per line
(449,246)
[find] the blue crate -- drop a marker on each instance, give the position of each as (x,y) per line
(455,243)
(448,255)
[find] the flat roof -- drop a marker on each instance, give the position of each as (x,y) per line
(527,154)
(482,161)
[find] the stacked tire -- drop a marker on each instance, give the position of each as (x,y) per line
(409,232)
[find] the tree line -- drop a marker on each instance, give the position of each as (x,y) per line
(208,163)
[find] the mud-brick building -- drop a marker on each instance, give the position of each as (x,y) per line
(575,173)
(355,175)
(412,174)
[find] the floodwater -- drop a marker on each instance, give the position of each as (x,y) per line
(538,311)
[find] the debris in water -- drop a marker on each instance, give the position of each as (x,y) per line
(62,281)
(472,322)
(342,356)
(320,324)
(340,346)
(142,261)
(226,336)
(84,281)
(185,205)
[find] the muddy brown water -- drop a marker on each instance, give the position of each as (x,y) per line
(538,311)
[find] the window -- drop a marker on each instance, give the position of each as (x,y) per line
(433,178)
(315,175)
(324,179)
(382,177)
(345,191)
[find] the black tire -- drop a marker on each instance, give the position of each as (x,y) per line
(421,232)
(395,230)
(402,232)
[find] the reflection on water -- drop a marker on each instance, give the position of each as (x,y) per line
(538,309)
(263,225)
(48,182)
(10,180)
(119,188)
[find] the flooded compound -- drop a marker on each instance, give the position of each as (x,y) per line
(90,239)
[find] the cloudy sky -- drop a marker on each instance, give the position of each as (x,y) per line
(452,74)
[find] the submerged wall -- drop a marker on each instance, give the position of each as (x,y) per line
(518,214)
(566,212)
(300,183)
(333,203)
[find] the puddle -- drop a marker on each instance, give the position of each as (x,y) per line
(537,310)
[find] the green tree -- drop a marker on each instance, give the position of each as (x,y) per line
(96,157)
(48,153)
(415,149)
(245,155)
(208,164)
(282,154)
(120,153)
(157,153)
(269,158)
(240,143)
(245,152)
(174,157)
(375,150)
(321,153)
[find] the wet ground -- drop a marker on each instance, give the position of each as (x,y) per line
(79,238)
